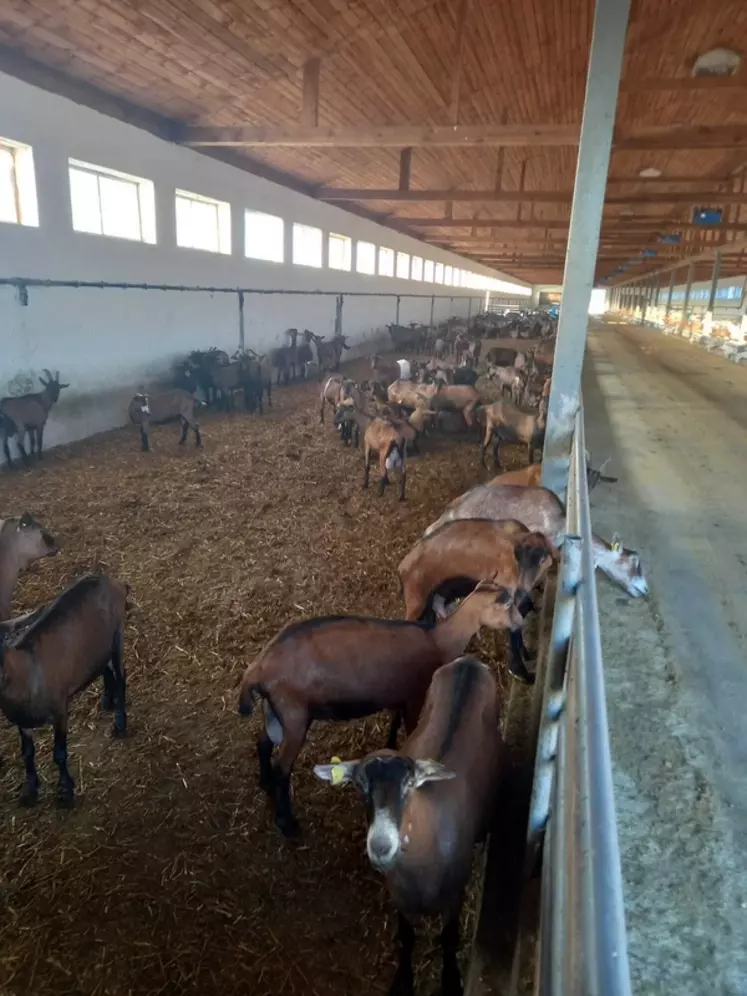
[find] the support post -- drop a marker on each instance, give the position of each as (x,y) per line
(396,314)
(669,295)
(602,84)
(405,168)
(242,337)
(714,282)
(686,302)
(433,305)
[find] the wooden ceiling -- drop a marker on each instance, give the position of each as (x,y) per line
(330,80)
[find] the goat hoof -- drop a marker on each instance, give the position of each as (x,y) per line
(119,732)
(288,826)
(107,702)
(28,798)
(65,798)
(403,984)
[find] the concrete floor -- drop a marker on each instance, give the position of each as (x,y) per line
(674,419)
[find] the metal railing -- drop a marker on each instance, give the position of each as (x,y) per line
(583,947)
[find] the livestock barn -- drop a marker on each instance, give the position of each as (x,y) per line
(303,599)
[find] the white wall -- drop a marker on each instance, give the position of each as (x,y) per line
(105,342)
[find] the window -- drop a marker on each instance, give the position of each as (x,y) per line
(17,184)
(106,202)
(307,245)
(340,252)
(448,275)
(365,259)
(439,273)
(417,268)
(428,271)
(403,265)
(386,262)
(264,236)
(202,223)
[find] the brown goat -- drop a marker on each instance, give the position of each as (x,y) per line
(449,562)
(457,397)
(154,409)
(407,394)
(74,640)
(29,413)
(531,476)
(385,439)
(429,804)
(542,511)
(505,422)
(347,667)
(22,542)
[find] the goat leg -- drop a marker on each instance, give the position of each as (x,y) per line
(66,785)
(21,447)
(109,695)
(6,451)
(28,752)
(517,652)
(119,729)
(39,438)
(198,437)
(295,727)
(403,983)
(451,979)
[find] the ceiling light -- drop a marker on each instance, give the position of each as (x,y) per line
(717,62)
(627,214)
(649,173)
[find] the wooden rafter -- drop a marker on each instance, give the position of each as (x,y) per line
(647,224)
(519,196)
(310,93)
(405,170)
(456,80)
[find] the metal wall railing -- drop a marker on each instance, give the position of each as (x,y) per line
(583,948)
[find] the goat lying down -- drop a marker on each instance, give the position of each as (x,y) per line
(542,511)
(428,804)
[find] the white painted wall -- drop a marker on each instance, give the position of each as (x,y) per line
(106,342)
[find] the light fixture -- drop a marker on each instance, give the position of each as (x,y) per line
(649,173)
(717,62)
(627,214)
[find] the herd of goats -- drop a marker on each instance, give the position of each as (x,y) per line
(430,799)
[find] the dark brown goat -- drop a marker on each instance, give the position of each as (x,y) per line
(347,667)
(74,640)
(28,414)
(22,542)
(429,804)
(285,358)
(330,353)
(155,409)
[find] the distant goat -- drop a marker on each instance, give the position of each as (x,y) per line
(28,414)
(154,409)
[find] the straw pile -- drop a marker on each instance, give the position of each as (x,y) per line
(169,876)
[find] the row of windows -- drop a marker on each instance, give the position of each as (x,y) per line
(733,292)
(107,202)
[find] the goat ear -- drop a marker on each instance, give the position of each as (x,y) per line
(616,544)
(430,771)
(62,385)
(25,521)
(336,773)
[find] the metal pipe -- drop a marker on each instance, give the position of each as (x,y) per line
(669,295)
(433,302)
(686,302)
(714,282)
(602,83)
(242,340)
(396,314)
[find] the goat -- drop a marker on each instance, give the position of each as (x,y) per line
(383,373)
(406,394)
(71,642)
(304,353)
(22,542)
(531,476)
(458,397)
(429,804)
(457,556)
(474,348)
(256,378)
(506,356)
(542,511)
(330,353)
(227,379)
(284,358)
(198,371)
(155,409)
(382,437)
(28,414)
(505,422)
(508,378)
(347,667)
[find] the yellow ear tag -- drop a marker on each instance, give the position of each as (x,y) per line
(338,772)
(615,548)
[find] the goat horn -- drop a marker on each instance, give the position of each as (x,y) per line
(47,374)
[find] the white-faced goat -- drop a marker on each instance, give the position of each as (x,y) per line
(452,560)
(429,804)
(347,667)
(71,642)
(542,511)
(154,409)
(22,542)
(28,414)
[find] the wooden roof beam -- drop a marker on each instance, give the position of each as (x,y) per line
(648,138)
(651,224)
(405,171)
(686,84)
(456,80)
(310,93)
(520,196)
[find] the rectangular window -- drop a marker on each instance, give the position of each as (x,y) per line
(448,276)
(307,245)
(264,236)
(386,262)
(439,273)
(417,268)
(403,265)
(17,184)
(428,271)
(107,202)
(365,257)
(340,252)
(203,223)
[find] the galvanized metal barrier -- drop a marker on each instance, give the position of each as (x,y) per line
(583,949)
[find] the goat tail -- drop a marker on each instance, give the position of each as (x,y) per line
(247,694)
